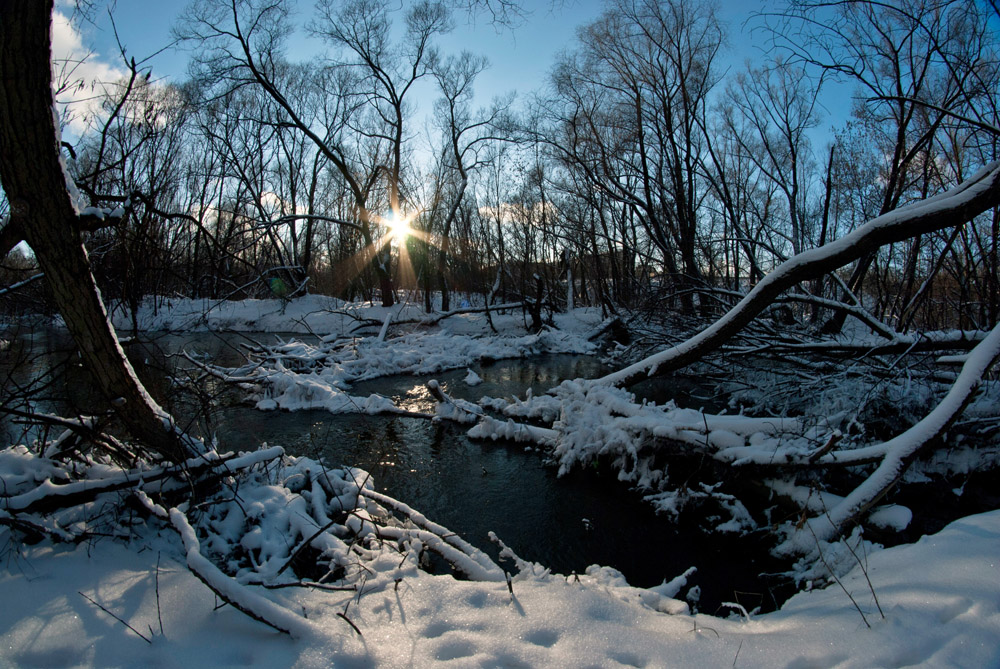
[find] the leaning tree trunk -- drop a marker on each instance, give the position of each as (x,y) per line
(955,207)
(43,210)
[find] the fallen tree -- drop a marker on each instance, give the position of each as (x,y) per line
(591,423)
(979,193)
(592,419)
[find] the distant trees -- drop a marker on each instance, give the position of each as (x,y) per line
(629,117)
(646,174)
(926,75)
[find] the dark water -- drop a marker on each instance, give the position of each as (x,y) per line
(471,487)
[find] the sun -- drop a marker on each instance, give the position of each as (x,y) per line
(399,226)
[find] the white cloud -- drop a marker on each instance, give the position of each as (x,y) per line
(79,75)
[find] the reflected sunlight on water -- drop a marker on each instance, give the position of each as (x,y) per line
(471,487)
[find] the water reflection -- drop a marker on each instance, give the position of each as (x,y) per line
(472,487)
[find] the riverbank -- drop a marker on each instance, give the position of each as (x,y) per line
(940,596)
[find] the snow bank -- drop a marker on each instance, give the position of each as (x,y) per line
(328,317)
(591,422)
(294,375)
(941,597)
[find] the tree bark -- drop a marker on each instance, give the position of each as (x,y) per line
(43,209)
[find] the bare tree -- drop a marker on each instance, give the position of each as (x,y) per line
(241,44)
(768,112)
(914,74)
(630,116)
(45,211)
(978,194)
(469,143)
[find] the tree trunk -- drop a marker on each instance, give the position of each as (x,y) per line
(41,206)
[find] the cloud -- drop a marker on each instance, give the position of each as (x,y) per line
(79,75)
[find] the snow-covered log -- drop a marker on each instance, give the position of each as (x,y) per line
(48,495)
(239,596)
(954,207)
(461,554)
(897,453)
(855,310)
(923,342)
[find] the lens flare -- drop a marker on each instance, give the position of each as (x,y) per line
(399,226)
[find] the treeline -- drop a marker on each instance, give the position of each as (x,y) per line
(647,169)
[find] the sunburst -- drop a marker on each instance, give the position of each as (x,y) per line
(396,229)
(399,226)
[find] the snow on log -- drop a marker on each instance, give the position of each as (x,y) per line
(239,596)
(460,553)
(491,428)
(51,495)
(897,453)
(385,327)
(954,207)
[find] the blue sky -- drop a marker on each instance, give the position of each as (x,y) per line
(520,60)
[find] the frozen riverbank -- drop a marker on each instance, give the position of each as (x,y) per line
(941,598)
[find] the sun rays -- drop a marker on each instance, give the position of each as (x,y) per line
(399,226)
(395,230)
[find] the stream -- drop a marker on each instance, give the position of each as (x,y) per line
(471,487)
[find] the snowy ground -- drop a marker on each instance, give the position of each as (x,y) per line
(940,597)
(327,317)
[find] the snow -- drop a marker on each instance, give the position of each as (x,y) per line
(591,421)
(891,516)
(294,375)
(328,317)
(941,598)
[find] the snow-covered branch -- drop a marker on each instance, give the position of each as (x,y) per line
(228,590)
(954,207)
(461,554)
(897,453)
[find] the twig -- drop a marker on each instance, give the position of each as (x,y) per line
(137,632)
(736,606)
(819,550)
(864,570)
(159,616)
(309,584)
(697,628)
(353,626)
(305,544)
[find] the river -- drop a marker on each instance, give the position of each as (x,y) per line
(472,487)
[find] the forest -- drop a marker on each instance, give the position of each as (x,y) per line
(826,284)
